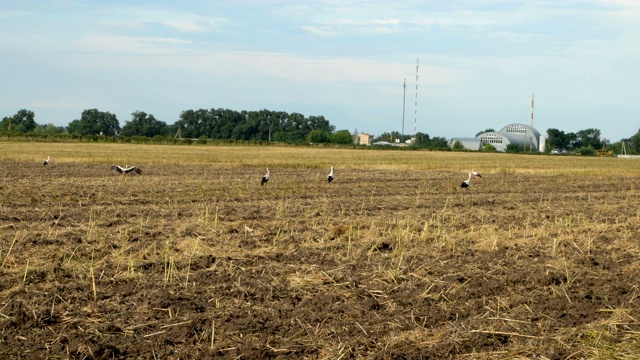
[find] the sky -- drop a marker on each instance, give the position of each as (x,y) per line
(478,63)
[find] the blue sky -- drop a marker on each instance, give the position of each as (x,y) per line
(480,61)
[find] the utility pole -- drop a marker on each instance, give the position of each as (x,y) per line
(415,119)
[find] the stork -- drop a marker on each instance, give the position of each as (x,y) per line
(265,178)
(465,184)
(330,176)
(475,173)
(46,162)
(126,169)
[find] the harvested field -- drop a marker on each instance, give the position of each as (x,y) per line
(192,259)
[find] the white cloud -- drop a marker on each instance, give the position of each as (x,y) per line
(369,22)
(156,54)
(128,45)
(189,26)
(320,30)
(139,18)
(376,16)
(180,21)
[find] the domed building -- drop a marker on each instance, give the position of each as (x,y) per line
(519,134)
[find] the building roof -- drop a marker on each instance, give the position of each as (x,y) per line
(519,129)
(468,143)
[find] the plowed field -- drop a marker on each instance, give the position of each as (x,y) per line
(195,259)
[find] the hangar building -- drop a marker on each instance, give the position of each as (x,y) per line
(518,134)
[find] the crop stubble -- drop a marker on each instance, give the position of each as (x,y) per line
(194,258)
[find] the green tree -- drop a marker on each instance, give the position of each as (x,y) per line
(250,125)
(488,148)
(279,136)
(142,124)
(556,139)
(190,123)
(94,122)
(423,140)
(572,141)
(439,143)
(487,130)
(514,148)
(632,144)
(586,151)
(295,136)
(22,122)
(320,123)
(590,137)
(48,129)
(343,137)
(457,146)
(318,136)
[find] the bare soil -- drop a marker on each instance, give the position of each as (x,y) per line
(186,262)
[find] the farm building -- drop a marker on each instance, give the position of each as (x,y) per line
(467,143)
(518,134)
(366,139)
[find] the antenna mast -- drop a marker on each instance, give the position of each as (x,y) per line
(532,110)
(415,119)
(404,96)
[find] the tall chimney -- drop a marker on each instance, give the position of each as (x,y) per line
(532,110)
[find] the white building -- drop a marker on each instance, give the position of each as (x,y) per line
(519,134)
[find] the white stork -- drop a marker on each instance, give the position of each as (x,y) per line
(46,162)
(265,178)
(465,184)
(330,176)
(126,169)
(475,173)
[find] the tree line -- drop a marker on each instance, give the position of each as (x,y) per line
(589,140)
(221,124)
(558,139)
(267,125)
